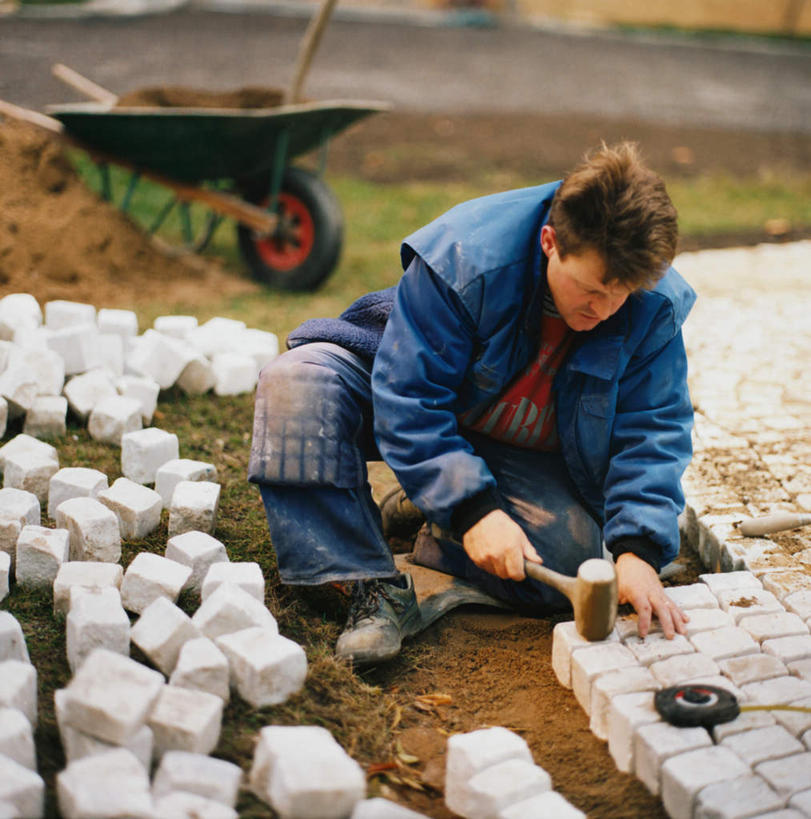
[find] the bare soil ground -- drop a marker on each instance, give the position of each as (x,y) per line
(472,668)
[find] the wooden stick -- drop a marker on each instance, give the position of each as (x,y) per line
(8,109)
(83,85)
(223,203)
(307,49)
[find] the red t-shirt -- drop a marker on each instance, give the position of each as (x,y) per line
(524,414)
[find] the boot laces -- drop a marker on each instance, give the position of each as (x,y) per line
(366,600)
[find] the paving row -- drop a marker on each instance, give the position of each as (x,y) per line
(748,342)
(139,738)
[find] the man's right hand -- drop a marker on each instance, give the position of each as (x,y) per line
(499,545)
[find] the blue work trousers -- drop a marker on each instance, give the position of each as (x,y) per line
(312,438)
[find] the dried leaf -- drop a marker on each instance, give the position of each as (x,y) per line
(376,768)
(398,715)
(403,756)
(435,699)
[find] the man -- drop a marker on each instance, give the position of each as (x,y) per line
(525,381)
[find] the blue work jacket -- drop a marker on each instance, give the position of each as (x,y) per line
(465,322)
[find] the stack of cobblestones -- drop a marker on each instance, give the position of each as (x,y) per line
(94,364)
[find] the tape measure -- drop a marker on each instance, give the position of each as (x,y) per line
(691,706)
(696,705)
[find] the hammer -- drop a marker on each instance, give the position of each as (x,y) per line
(593,594)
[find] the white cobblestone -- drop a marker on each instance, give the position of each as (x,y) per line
(550,804)
(17,737)
(86,390)
(150,576)
(110,696)
(748,603)
(302,771)
(692,596)
(104,785)
(47,417)
(707,620)
(657,742)
(590,662)
(472,752)
(656,647)
(788,775)
(21,788)
(763,744)
(683,776)
(193,507)
(605,687)
(161,631)
(502,785)
(96,620)
(143,390)
(265,668)
(203,775)
(86,574)
(231,609)
(185,719)
(30,472)
(93,528)
(113,417)
(74,482)
(40,553)
(626,714)
(726,581)
(752,668)
(247,575)
(144,451)
(199,551)
(18,688)
(201,665)
(683,667)
(137,507)
(170,474)
(779,690)
(795,722)
(736,798)
(12,639)
(724,643)
(789,649)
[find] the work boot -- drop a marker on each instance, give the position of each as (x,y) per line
(381,615)
(398,514)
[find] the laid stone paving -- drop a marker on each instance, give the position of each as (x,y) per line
(748,342)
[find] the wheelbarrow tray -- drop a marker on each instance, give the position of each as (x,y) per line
(196,144)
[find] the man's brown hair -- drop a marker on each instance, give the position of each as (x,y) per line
(614,204)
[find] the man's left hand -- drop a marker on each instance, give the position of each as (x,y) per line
(640,586)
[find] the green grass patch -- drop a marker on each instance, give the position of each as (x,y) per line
(378,216)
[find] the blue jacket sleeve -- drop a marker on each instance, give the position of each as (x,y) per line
(650,449)
(418,369)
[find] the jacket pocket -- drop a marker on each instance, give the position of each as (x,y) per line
(595,416)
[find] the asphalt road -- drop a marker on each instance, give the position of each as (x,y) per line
(728,82)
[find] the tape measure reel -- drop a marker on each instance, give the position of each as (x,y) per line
(690,706)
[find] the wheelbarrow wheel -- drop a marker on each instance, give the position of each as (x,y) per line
(305,247)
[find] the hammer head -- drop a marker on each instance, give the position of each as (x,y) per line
(595,598)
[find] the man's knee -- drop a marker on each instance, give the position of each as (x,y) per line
(308,421)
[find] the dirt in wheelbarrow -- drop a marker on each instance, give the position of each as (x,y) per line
(178,96)
(58,240)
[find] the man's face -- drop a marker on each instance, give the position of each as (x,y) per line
(576,283)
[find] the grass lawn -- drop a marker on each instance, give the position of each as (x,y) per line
(361,716)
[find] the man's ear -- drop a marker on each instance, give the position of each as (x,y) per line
(549,241)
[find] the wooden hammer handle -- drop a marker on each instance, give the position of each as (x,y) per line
(561,582)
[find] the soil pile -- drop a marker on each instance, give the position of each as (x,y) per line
(59,240)
(182,97)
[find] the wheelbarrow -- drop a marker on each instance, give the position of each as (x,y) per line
(227,163)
